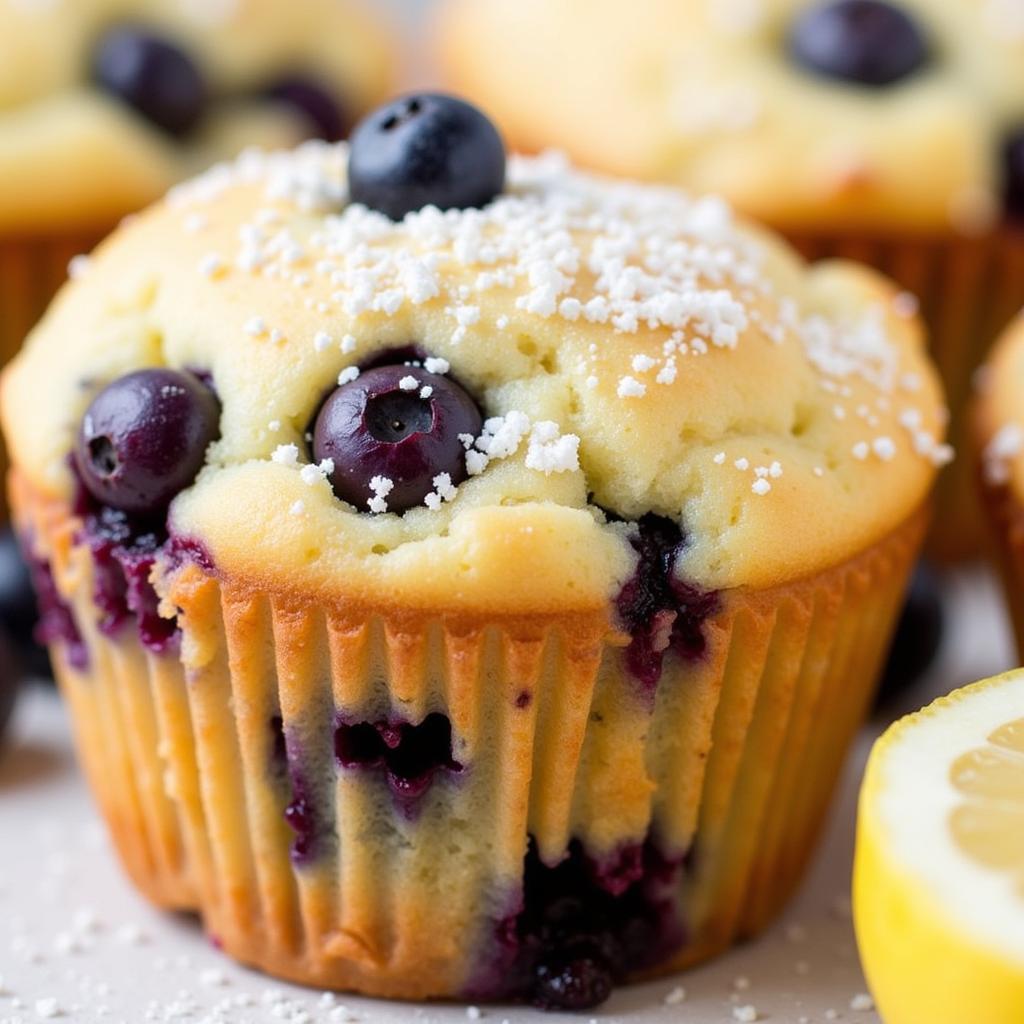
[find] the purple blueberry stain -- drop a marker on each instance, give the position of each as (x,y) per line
(124,555)
(581,926)
(56,620)
(302,816)
(409,756)
(660,611)
(306,804)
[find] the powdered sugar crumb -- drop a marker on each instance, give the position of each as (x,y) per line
(381,486)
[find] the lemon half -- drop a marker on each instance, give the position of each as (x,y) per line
(939,872)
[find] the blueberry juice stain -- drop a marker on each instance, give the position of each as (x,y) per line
(409,757)
(661,612)
(56,625)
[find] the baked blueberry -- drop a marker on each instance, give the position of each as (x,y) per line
(576,981)
(868,42)
(326,118)
(144,439)
(391,432)
(423,150)
(151,75)
(918,635)
(1013,170)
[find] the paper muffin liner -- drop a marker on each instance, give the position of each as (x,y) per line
(31,272)
(198,756)
(969,289)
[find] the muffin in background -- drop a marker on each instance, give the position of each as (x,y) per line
(473,603)
(889,133)
(998,451)
(105,104)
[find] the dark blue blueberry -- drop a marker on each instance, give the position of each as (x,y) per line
(918,635)
(867,42)
(326,118)
(151,75)
(144,439)
(19,613)
(579,980)
(1013,170)
(423,150)
(373,427)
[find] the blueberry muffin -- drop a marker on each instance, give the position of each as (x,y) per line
(890,133)
(466,575)
(999,449)
(104,104)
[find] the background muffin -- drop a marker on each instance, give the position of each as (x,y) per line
(104,104)
(478,602)
(999,463)
(888,133)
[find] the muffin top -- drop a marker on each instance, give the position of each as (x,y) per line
(1000,420)
(572,357)
(104,104)
(836,115)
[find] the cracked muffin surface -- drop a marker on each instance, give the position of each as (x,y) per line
(632,351)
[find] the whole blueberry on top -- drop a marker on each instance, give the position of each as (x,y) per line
(868,42)
(151,75)
(425,150)
(144,439)
(326,118)
(391,433)
(1013,170)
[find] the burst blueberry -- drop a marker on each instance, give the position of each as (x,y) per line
(867,42)
(153,76)
(423,150)
(400,424)
(144,439)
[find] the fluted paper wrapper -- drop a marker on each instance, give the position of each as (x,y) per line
(732,763)
(969,289)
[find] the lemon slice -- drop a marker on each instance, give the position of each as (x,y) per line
(939,873)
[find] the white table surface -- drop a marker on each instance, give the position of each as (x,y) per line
(77,943)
